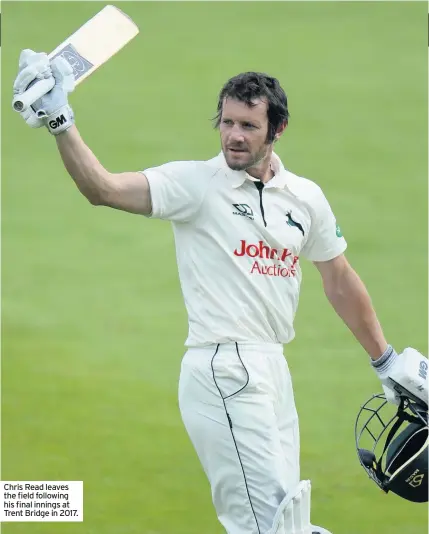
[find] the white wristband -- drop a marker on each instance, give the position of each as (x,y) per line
(386,360)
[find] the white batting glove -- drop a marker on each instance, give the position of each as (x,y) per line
(32,67)
(52,110)
(53,107)
(403,374)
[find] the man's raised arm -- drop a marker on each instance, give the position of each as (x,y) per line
(127,191)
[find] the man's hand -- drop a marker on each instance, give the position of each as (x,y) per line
(52,110)
(32,68)
(403,374)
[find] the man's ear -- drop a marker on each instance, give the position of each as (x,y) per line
(280,130)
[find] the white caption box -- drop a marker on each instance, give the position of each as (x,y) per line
(30,500)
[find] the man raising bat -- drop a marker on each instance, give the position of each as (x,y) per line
(242,224)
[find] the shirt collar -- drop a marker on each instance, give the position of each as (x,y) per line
(238,178)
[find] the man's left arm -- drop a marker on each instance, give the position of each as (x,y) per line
(404,373)
(350,299)
(325,247)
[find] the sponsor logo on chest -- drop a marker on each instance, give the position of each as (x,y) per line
(283,261)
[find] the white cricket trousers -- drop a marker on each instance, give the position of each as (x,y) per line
(238,408)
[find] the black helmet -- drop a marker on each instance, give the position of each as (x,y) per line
(398,436)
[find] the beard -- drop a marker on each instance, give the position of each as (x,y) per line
(241,161)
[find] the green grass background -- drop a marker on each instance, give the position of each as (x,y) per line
(93,320)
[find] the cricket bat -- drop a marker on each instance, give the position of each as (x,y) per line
(94,43)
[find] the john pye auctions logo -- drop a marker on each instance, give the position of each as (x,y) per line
(260,250)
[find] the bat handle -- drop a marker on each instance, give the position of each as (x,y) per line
(23,101)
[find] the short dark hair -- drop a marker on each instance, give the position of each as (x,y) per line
(249,86)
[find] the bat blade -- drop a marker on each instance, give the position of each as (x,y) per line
(96,41)
(89,47)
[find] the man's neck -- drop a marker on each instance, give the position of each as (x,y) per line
(262,171)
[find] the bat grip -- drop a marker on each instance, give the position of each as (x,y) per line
(23,101)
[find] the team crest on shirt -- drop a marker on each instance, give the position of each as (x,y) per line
(291,222)
(338,231)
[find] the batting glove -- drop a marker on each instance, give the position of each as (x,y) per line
(403,374)
(53,109)
(32,67)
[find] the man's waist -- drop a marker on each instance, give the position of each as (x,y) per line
(248,346)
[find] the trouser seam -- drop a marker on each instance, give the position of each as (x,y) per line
(231,429)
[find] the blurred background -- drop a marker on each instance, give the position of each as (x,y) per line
(93,319)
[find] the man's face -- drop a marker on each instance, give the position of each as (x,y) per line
(243,133)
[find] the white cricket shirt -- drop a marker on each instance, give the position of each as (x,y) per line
(239,247)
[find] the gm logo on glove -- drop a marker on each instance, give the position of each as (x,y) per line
(423,370)
(55,123)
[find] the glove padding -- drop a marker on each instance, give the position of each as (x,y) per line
(405,374)
(52,110)
(32,67)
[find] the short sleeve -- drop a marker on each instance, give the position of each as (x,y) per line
(325,240)
(177,190)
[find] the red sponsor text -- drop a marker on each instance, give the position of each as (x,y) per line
(261,250)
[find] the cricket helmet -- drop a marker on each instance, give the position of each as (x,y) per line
(392,446)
